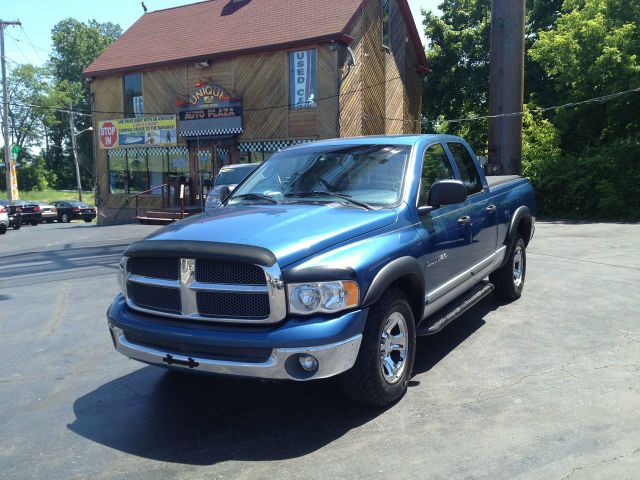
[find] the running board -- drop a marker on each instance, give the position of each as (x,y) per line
(447,314)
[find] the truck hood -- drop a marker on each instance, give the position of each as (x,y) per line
(292,232)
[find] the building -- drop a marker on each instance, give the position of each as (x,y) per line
(188,89)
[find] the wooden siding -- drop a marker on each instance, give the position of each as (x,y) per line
(373,76)
(413,88)
(303,123)
(327,89)
(350,87)
(395,73)
(167,81)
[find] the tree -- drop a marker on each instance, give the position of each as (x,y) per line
(75,46)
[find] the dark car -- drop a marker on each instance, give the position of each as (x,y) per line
(15,214)
(30,212)
(74,210)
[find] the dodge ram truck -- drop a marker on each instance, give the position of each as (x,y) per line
(328,260)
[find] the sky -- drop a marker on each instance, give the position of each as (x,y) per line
(32,42)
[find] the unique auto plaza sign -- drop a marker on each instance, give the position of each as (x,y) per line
(210,111)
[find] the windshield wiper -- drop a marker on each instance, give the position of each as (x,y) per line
(319,193)
(256,196)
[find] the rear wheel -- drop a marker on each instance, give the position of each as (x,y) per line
(509,280)
(3,229)
(88,220)
(65,218)
(385,361)
(17,226)
(33,223)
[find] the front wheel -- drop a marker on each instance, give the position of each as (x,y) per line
(3,229)
(65,218)
(509,280)
(385,361)
(17,226)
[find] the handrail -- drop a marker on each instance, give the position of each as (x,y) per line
(137,196)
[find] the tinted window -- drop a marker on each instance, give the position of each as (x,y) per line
(435,166)
(467,168)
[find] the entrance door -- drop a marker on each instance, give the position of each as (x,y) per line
(202,162)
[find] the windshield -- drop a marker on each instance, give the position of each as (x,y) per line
(369,174)
(233,176)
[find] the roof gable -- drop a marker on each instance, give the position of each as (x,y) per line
(217,28)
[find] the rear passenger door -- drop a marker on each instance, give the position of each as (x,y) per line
(480,218)
(443,236)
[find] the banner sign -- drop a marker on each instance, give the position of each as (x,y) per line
(205,113)
(302,78)
(159,131)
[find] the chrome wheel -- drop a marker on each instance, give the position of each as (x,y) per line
(518,267)
(393,348)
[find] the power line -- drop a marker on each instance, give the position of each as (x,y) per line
(601,99)
(35,48)
(17,44)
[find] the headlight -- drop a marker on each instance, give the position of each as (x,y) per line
(323,297)
(122,272)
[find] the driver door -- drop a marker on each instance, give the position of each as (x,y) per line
(444,235)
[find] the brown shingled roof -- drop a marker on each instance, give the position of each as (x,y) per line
(216,28)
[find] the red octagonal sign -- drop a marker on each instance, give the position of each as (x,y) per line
(108,135)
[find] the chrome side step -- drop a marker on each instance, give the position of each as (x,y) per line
(457,307)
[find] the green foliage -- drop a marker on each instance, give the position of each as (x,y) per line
(34,175)
(582,161)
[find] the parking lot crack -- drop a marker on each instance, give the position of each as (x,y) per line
(607,460)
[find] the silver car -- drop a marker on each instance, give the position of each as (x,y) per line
(49,212)
(229,176)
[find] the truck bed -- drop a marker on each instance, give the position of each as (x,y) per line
(495,180)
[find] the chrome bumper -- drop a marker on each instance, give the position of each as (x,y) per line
(281,365)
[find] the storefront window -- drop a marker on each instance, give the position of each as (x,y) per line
(386,16)
(179,161)
(138,180)
(302,79)
(118,171)
(258,157)
(158,169)
(133,105)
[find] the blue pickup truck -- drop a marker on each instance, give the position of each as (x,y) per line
(330,259)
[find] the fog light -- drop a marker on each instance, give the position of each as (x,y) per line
(308,363)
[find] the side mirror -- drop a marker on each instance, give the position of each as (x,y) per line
(224,193)
(447,192)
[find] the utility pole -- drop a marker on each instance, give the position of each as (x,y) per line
(5,112)
(72,127)
(506,86)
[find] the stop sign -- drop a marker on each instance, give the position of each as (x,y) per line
(108,134)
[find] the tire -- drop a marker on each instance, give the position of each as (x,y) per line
(33,224)
(509,280)
(17,226)
(3,229)
(65,218)
(370,381)
(87,220)
(49,220)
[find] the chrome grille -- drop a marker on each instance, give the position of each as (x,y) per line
(205,289)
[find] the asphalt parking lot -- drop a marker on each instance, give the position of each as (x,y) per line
(547,387)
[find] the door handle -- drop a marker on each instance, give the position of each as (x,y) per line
(491,208)
(464,220)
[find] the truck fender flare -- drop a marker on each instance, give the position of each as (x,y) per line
(392,271)
(521,213)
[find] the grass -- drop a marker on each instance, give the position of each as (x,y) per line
(50,195)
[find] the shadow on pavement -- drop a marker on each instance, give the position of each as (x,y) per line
(202,420)
(60,264)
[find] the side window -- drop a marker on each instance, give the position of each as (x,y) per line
(435,166)
(467,168)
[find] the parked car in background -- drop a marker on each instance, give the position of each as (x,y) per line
(15,214)
(49,212)
(4,220)
(30,212)
(74,210)
(229,176)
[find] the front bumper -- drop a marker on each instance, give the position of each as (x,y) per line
(334,342)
